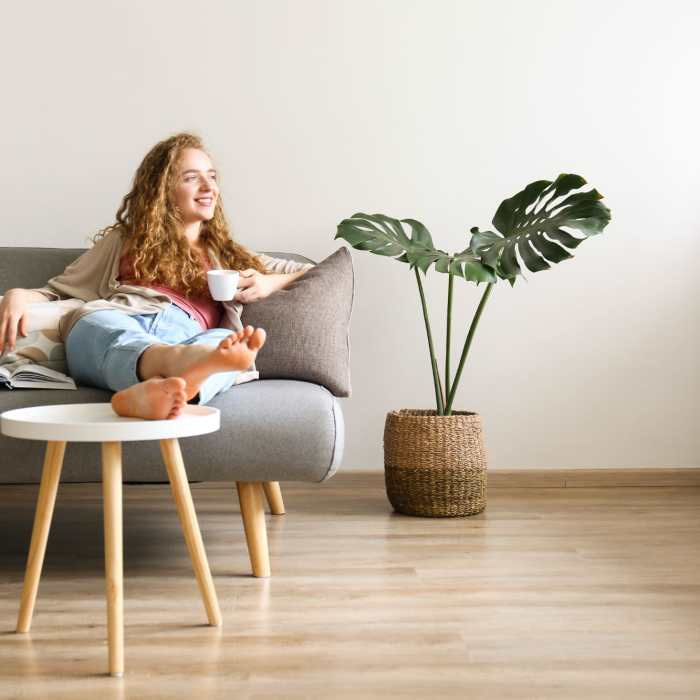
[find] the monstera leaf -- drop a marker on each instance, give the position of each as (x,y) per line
(532,223)
(383,235)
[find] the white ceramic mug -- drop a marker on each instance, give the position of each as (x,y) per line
(222,284)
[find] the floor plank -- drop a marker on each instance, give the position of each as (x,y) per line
(567,591)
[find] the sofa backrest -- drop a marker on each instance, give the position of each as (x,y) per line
(32,267)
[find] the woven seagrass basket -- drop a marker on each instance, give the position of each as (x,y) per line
(434,465)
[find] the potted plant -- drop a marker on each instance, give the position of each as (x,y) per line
(434,460)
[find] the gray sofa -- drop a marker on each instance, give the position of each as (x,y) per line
(271,430)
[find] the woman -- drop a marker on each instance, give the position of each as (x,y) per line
(149,329)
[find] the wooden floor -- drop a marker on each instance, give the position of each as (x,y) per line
(566,587)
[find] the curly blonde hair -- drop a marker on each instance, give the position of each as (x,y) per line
(152,227)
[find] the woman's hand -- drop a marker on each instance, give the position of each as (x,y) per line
(254,285)
(13,317)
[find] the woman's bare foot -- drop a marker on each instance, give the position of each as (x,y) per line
(155,399)
(237,351)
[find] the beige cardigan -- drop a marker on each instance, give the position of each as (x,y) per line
(92,278)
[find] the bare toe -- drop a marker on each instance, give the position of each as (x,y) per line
(257,339)
(178,405)
(173,385)
(228,341)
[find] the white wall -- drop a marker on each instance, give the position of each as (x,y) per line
(431,110)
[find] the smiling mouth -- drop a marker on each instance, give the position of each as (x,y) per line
(205,201)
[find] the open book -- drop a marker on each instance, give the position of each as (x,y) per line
(31,376)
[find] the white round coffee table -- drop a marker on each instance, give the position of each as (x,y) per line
(97,422)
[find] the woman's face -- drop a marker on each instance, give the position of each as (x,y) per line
(196,189)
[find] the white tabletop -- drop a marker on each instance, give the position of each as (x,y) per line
(97,422)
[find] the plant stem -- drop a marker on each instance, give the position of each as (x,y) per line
(439,397)
(465,351)
(449,334)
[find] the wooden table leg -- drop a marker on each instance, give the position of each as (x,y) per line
(172,457)
(114,573)
(50,476)
(273,493)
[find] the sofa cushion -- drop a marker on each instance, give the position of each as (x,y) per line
(308,326)
(270,431)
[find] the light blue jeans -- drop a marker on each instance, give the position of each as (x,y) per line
(103,348)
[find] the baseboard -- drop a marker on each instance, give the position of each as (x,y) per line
(598,478)
(618,477)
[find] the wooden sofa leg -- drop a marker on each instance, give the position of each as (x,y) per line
(274,497)
(250,495)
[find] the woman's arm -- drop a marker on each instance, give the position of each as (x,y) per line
(254,285)
(13,315)
(284,280)
(282,265)
(281,273)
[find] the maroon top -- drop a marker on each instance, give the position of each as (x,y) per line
(202,308)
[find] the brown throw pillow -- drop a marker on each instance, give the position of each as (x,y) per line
(308,326)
